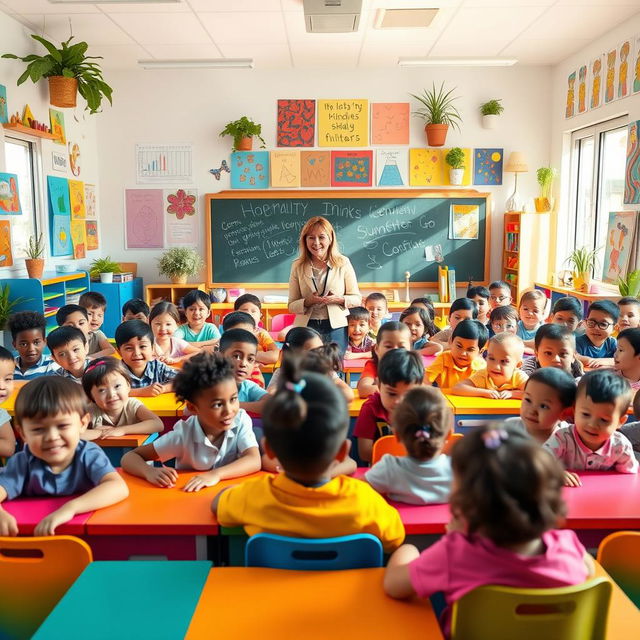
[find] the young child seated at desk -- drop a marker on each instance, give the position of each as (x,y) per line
(629,317)
(567,311)
(506,503)
(547,401)
(305,428)
(68,347)
(135,309)
(73,315)
(594,442)
(50,415)
(422,422)
(462,358)
(149,376)
(627,357)
(461,309)
(376,305)
(501,378)
(632,429)
(297,340)
(531,310)
(480,295)
(499,294)
(28,336)
(503,318)
(218,439)
(268,351)
(246,322)
(96,304)
(399,371)
(420,324)
(197,331)
(596,346)
(7,367)
(107,383)
(554,346)
(360,343)
(392,335)
(164,320)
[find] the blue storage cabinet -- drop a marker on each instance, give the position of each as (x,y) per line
(116,294)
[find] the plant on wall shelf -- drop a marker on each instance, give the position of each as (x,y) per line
(6,305)
(34,262)
(243,131)
(455,159)
(438,112)
(69,71)
(583,261)
(490,111)
(545,177)
(630,285)
(104,268)
(178,263)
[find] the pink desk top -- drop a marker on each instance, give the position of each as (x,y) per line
(29,511)
(357,365)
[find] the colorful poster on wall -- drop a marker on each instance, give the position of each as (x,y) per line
(468,168)
(343,123)
(76,199)
(285,168)
(617,248)
(6,257)
(90,200)
(487,166)
(315,168)
(632,169)
(390,123)
(4,110)
(611,58)
(425,167)
(596,84)
(61,236)
(296,123)
(9,195)
(79,239)
(351,168)
(464,222)
(56,119)
(624,71)
(635,67)
(92,234)
(582,89)
(58,189)
(250,170)
(392,167)
(144,219)
(181,217)
(570,108)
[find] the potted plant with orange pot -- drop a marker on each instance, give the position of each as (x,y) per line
(439,113)
(243,131)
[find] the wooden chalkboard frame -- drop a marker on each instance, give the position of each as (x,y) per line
(272,194)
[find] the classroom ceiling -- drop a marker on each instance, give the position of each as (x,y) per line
(272,32)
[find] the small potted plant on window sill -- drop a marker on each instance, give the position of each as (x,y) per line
(34,262)
(179,263)
(243,131)
(583,261)
(491,111)
(630,284)
(439,113)
(103,269)
(545,176)
(455,160)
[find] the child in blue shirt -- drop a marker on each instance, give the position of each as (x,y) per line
(51,414)
(197,331)
(531,311)
(28,331)
(68,347)
(597,347)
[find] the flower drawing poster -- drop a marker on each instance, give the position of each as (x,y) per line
(180,217)
(351,168)
(487,166)
(250,170)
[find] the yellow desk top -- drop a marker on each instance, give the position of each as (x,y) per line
(467,404)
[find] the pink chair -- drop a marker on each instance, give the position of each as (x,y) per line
(280,322)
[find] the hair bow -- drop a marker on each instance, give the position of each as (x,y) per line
(296,387)
(493,438)
(423,432)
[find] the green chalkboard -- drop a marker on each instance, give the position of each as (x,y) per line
(253,237)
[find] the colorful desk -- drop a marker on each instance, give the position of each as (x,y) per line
(472,412)
(29,511)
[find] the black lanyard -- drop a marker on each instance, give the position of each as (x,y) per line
(324,286)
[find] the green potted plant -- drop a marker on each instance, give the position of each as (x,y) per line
(439,113)
(491,111)
(68,70)
(630,284)
(6,308)
(583,261)
(243,131)
(103,269)
(455,160)
(545,176)
(34,262)
(179,263)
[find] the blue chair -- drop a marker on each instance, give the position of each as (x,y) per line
(359,551)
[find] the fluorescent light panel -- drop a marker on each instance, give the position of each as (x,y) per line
(201,63)
(456,62)
(115,1)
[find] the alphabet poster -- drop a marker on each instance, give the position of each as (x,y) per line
(315,168)
(487,166)
(79,239)
(632,169)
(390,123)
(285,168)
(76,198)
(250,170)
(343,123)
(595,81)
(144,219)
(296,123)
(92,234)
(6,257)
(351,168)
(9,195)
(392,167)
(624,74)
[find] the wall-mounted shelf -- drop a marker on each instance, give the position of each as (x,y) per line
(20,128)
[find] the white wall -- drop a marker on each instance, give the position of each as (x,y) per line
(193,106)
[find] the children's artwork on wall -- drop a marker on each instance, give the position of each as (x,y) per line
(570,108)
(392,167)
(59,161)
(56,118)
(59,196)
(315,168)
(61,236)
(625,58)
(91,227)
(6,257)
(250,170)
(390,123)
(582,89)
(595,81)
(59,216)
(223,167)
(181,217)
(27,116)
(76,199)
(351,168)
(487,166)
(285,168)
(4,110)
(9,195)
(425,167)
(468,167)
(632,168)
(90,200)
(296,123)
(144,215)
(635,86)
(74,158)
(464,221)
(610,76)
(343,123)
(79,239)
(180,203)
(617,249)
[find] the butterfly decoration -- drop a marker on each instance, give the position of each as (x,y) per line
(223,167)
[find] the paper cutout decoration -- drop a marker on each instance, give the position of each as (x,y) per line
(91,227)
(392,167)
(632,170)
(487,166)
(595,81)
(56,119)
(617,248)
(90,200)
(144,214)
(59,202)
(296,123)
(4,110)
(250,170)
(425,167)
(390,123)
(6,257)
(27,116)
(610,83)
(181,204)
(625,57)
(343,123)
(76,199)
(635,87)
(468,167)
(570,108)
(285,168)
(351,168)
(315,168)
(9,195)
(464,222)
(223,167)
(79,239)
(181,223)
(582,88)
(61,236)
(74,155)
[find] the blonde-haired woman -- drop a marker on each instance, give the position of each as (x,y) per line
(323,284)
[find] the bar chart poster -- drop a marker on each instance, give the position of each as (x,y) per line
(161,163)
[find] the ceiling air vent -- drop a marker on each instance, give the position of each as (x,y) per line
(332,16)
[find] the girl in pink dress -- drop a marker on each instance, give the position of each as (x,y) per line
(164,320)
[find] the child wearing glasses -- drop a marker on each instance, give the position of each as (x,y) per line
(597,347)
(499,294)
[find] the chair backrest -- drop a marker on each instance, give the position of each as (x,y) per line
(34,574)
(504,613)
(359,551)
(390,444)
(282,320)
(619,554)
(451,440)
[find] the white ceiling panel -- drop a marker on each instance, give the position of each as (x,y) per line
(140,7)
(265,56)
(373,56)
(162,28)
(535,51)
(451,48)
(44,7)
(183,51)
(204,6)
(340,57)
(234,27)
(95,28)
(509,3)
(122,57)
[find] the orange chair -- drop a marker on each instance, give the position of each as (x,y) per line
(619,554)
(390,444)
(34,574)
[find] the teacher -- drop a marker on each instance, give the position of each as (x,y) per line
(323,284)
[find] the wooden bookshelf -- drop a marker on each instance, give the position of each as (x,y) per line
(20,128)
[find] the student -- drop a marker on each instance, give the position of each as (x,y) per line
(418,320)
(305,429)
(627,357)
(632,429)
(331,353)
(50,415)
(245,321)
(596,347)
(73,315)
(594,442)
(502,378)
(135,309)
(360,342)
(503,318)
(28,338)
(197,331)
(461,309)
(164,320)
(218,439)
(548,399)
(567,311)
(506,503)
(392,335)
(376,304)
(462,358)
(629,317)
(422,422)
(95,304)
(480,295)
(427,305)
(7,368)
(499,294)
(298,339)
(268,351)
(149,376)
(554,346)
(68,346)
(531,311)
(399,370)
(240,347)
(107,384)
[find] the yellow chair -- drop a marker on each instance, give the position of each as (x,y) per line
(506,613)
(619,554)
(391,444)
(34,574)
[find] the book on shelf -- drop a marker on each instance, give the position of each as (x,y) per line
(123,277)
(443,284)
(451,282)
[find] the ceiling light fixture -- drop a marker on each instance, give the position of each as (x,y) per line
(456,62)
(115,1)
(202,63)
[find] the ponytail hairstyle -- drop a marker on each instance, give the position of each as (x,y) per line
(297,337)
(331,351)
(98,370)
(306,420)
